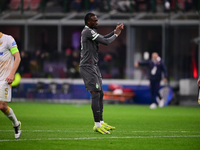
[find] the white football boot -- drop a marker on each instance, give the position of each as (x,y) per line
(18,131)
(161,103)
(153,106)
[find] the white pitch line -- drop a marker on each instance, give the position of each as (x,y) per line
(87,131)
(168,131)
(99,138)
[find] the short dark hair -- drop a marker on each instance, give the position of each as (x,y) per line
(88,16)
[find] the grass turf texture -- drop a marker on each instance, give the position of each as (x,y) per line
(69,126)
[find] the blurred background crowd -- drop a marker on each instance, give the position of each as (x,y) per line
(99,5)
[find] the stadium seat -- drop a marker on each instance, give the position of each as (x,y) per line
(64,92)
(15,4)
(65,88)
(38,91)
(52,87)
(26,4)
(52,91)
(34,5)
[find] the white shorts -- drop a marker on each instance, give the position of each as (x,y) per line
(5,91)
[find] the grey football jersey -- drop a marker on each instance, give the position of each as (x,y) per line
(90,40)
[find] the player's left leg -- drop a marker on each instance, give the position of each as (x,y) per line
(153,93)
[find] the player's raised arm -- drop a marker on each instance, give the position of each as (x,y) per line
(92,24)
(118,29)
(101,39)
(111,33)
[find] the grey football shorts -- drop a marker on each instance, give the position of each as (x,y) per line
(91,77)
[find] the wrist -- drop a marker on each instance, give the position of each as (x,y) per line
(116,35)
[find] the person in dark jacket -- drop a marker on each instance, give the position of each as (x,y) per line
(156,68)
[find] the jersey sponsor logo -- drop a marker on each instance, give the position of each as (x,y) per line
(14,43)
(1,53)
(93,33)
(1,43)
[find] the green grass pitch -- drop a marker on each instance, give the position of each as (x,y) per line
(49,126)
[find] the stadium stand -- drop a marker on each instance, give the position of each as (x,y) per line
(27,4)
(112,6)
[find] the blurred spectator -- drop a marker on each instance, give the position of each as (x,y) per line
(37,61)
(68,58)
(75,64)
(113,6)
(24,67)
(5,5)
(108,59)
(125,5)
(57,5)
(109,66)
(184,5)
(142,5)
(77,5)
(93,5)
(159,6)
(188,5)
(121,58)
(104,5)
(72,63)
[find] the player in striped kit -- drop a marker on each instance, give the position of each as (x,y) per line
(9,62)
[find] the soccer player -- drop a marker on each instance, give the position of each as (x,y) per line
(89,70)
(156,68)
(9,62)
